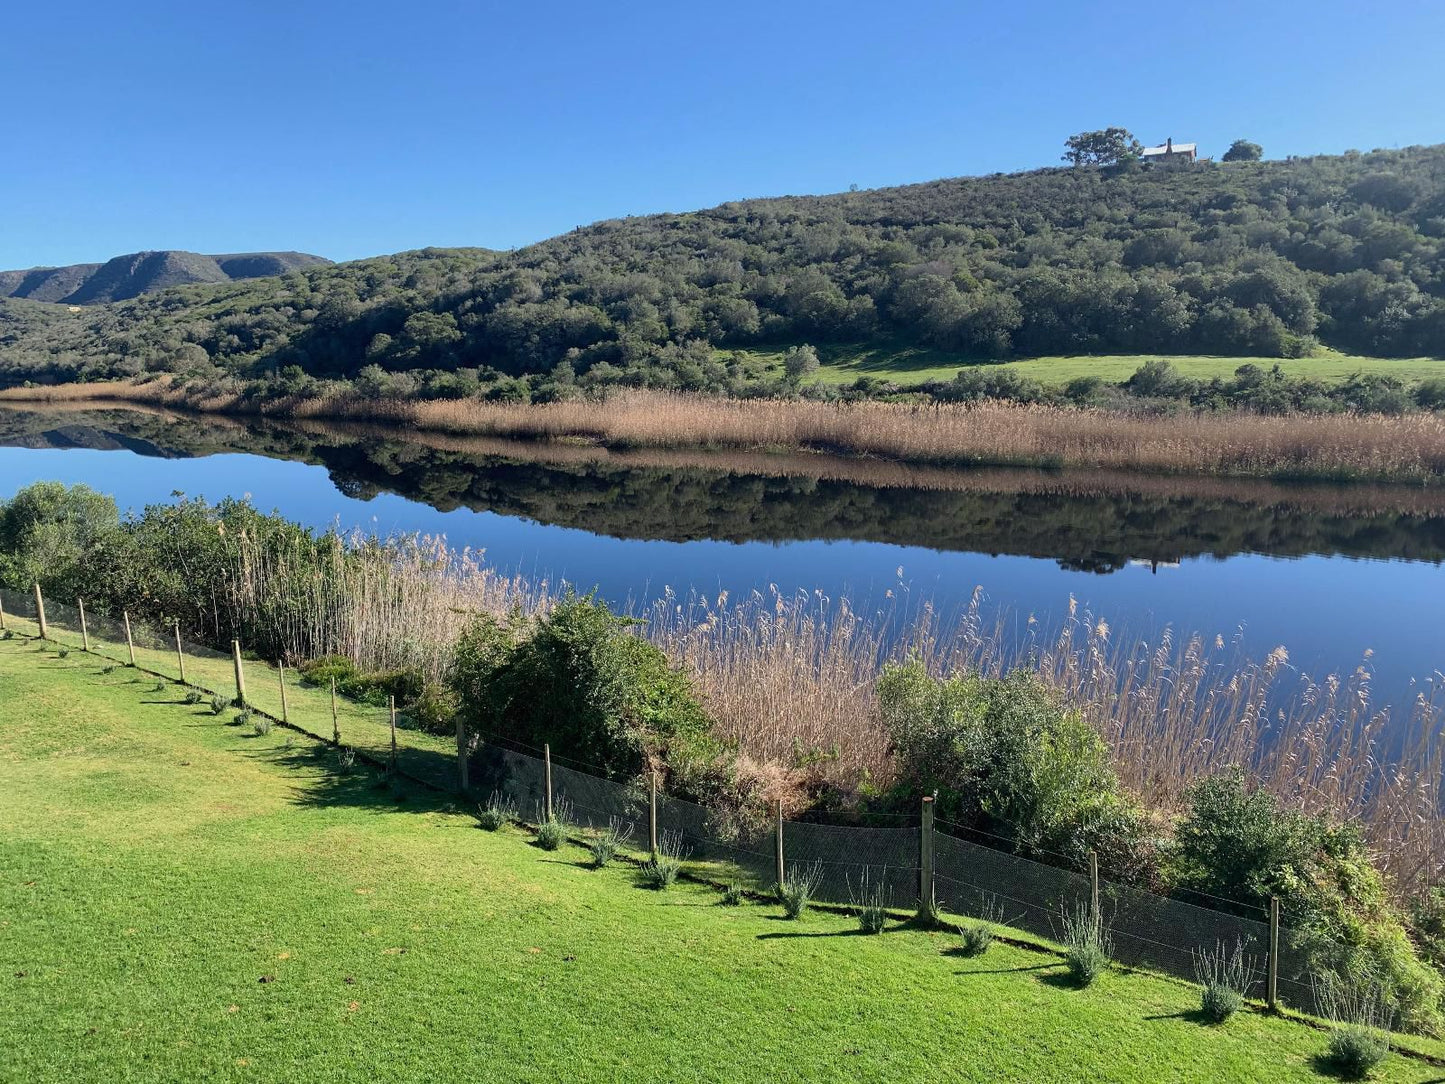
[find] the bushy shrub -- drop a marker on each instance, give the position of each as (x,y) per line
(242,717)
(1005,756)
(552,831)
(581,681)
(260,725)
(1357,1007)
(1235,842)
(975,938)
(219,704)
(800,885)
(870,905)
(661,870)
(732,895)
(63,653)
(193,696)
(1226,976)
(606,845)
(498,811)
(1087,944)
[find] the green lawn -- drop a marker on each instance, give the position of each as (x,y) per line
(913,365)
(180,901)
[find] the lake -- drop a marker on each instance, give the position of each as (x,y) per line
(1328,571)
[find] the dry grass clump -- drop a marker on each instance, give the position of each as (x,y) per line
(1372,447)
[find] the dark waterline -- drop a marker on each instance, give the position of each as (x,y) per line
(1346,586)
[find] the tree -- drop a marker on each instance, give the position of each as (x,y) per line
(1101,148)
(1242,150)
(800,361)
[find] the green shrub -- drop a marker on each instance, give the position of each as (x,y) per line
(345,761)
(732,895)
(1004,755)
(1226,977)
(551,834)
(193,696)
(661,870)
(158,687)
(1087,944)
(975,938)
(870,903)
(606,844)
(63,653)
(1237,843)
(498,811)
(242,717)
(800,884)
(260,726)
(1358,1008)
(581,681)
(1354,1050)
(219,704)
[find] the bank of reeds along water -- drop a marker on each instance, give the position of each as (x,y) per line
(1409,448)
(791,680)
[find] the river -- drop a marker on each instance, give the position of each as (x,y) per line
(1330,572)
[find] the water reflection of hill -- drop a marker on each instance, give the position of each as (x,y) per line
(1092,521)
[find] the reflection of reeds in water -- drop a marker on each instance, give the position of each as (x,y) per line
(789,678)
(1410,448)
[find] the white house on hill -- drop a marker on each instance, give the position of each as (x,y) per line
(1170,153)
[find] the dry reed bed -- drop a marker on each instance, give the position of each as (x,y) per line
(1410,448)
(790,675)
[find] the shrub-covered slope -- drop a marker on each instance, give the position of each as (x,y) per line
(1247,258)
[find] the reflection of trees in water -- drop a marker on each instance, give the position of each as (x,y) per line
(1092,521)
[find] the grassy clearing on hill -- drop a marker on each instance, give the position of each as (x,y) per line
(906,365)
(182,901)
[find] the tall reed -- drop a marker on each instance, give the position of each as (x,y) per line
(790,679)
(1372,447)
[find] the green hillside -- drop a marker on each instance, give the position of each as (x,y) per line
(1229,260)
(185,901)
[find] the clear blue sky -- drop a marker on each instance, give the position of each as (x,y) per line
(351,129)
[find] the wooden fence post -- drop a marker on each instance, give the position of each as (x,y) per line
(652,815)
(391,704)
(40,612)
(84,629)
(1272,982)
(2,615)
(547,766)
(464,756)
(926,894)
(778,844)
(1094,884)
(281,676)
(129,642)
(335,723)
(240,673)
(180,655)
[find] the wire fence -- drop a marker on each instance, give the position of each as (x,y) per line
(885,855)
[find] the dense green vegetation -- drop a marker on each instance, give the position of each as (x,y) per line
(185,902)
(1248,258)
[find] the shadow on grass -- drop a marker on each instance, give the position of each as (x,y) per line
(331,783)
(1062,980)
(1191,1016)
(1001,970)
(851,931)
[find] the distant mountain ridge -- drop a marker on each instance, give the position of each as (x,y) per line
(145,272)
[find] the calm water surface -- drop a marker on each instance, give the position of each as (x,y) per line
(1329,573)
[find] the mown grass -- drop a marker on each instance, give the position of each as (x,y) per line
(903,364)
(183,901)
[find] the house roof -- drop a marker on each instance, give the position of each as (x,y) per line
(1163,148)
